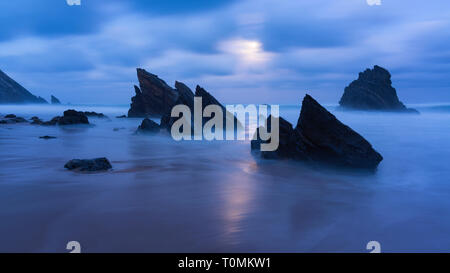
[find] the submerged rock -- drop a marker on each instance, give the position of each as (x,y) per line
(54,100)
(47,137)
(10,116)
(88,165)
(148,126)
(122,116)
(373,91)
(95,114)
(12,92)
(153,96)
(320,137)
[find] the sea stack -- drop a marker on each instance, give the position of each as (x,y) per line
(319,137)
(14,93)
(373,91)
(153,96)
(54,100)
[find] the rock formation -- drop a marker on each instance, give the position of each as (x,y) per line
(88,165)
(320,137)
(148,126)
(153,96)
(12,92)
(54,100)
(373,91)
(70,117)
(12,119)
(186,97)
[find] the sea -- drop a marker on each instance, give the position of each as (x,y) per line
(216,196)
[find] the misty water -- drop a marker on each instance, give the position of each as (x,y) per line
(167,196)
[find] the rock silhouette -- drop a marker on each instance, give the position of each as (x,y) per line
(373,91)
(148,126)
(320,137)
(13,92)
(153,96)
(54,100)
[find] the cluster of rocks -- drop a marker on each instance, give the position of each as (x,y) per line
(154,98)
(12,119)
(70,117)
(373,91)
(319,137)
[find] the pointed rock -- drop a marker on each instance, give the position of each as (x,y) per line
(320,137)
(12,92)
(148,126)
(153,98)
(54,100)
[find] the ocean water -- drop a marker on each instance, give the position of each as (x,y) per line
(167,196)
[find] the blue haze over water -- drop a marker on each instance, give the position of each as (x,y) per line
(167,196)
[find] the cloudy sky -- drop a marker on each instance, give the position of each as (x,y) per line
(261,51)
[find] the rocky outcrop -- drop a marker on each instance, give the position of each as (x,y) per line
(373,91)
(70,117)
(148,126)
(88,165)
(320,137)
(12,119)
(54,100)
(14,93)
(186,97)
(153,96)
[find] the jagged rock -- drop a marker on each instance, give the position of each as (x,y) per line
(94,114)
(88,165)
(47,137)
(208,99)
(52,122)
(320,137)
(148,126)
(186,97)
(373,91)
(153,96)
(54,100)
(12,92)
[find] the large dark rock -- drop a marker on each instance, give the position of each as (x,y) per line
(320,137)
(12,92)
(373,91)
(54,100)
(88,165)
(73,117)
(185,97)
(148,126)
(70,117)
(153,97)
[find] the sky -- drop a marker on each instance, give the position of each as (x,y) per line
(246,51)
